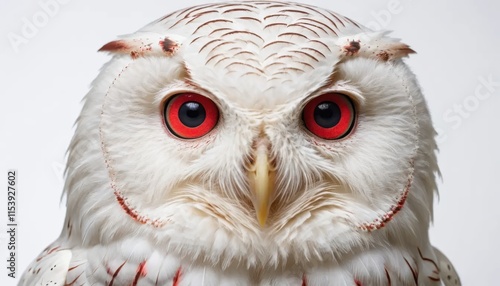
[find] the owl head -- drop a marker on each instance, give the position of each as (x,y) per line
(254,131)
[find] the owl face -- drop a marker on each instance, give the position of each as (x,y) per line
(249,131)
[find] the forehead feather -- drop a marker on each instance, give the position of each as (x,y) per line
(258,53)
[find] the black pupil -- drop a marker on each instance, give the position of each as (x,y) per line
(327,114)
(192,114)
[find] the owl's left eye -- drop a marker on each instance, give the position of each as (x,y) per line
(329,116)
(190,115)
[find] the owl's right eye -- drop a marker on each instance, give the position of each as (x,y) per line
(190,115)
(330,116)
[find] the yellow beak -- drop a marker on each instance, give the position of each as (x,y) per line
(261,176)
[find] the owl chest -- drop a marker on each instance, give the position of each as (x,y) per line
(130,264)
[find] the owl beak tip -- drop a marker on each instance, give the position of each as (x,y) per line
(262,218)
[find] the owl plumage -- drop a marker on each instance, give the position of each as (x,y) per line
(256,188)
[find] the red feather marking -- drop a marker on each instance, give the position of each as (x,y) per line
(353,48)
(74,281)
(436,271)
(396,208)
(413,271)
(140,272)
(121,200)
(48,253)
(116,274)
(427,259)
(357,282)
(133,213)
(177,277)
(388,277)
(304,280)
(169,46)
(74,267)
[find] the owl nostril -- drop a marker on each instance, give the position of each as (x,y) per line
(262,144)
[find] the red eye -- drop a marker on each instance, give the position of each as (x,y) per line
(190,115)
(329,116)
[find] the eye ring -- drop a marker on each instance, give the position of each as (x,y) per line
(330,116)
(190,115)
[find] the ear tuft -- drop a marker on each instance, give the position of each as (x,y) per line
(394,50)
(114,46)
(400,50)
(374,45)
(144,45)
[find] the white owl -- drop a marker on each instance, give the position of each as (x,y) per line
(250,143)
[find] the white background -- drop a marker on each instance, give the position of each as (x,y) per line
(44,77)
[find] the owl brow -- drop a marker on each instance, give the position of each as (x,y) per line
(334,83)
(189,82)
(181,82)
